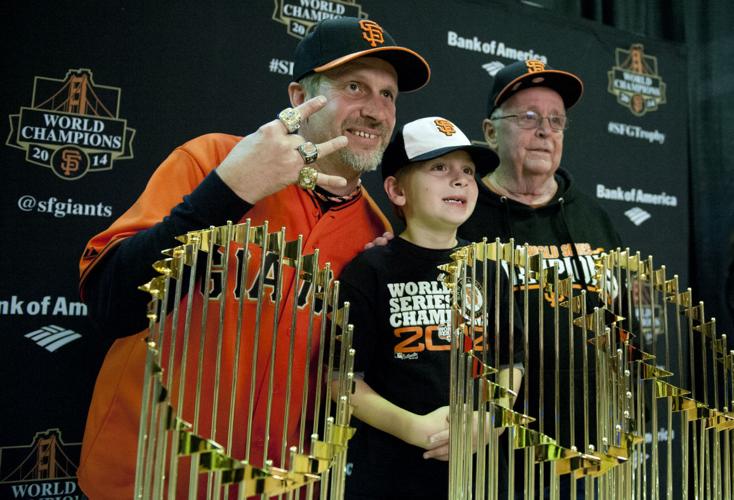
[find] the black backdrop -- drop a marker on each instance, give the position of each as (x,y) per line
(165,72)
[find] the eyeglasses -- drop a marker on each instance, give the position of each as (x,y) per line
(531,119)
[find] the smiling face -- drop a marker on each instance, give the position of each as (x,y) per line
(361,106)
(531,152)
(436,195)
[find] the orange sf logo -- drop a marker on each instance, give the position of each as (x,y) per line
(70,161)
(534,65)
(445,127)
(372,32)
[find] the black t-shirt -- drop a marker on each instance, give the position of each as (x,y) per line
(401,316)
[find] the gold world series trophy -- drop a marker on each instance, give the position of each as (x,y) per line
(247,412)
(627,394)
(237,384)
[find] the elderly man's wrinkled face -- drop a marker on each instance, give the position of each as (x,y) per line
(535,151)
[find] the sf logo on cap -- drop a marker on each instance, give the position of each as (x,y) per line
(534,65)
(445,127)
(372,32)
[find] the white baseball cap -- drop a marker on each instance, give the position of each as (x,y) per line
(431,137)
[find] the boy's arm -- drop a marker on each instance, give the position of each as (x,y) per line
(503,378)
(414,429)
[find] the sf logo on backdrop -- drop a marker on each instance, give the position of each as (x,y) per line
(300,15)
(634,79)
(72,126)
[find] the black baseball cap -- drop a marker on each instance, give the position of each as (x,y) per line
(333,42)
(534,73)
(428,138)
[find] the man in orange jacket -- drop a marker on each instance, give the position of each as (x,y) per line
(300,171)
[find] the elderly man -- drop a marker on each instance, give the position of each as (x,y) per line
(530,198)
(300,171)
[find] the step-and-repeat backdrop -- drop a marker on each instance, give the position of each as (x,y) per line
(96,95)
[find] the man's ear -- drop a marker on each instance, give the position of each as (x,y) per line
(296,93)
(490,133)
(394,191)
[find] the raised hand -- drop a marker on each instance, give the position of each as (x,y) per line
(267,160)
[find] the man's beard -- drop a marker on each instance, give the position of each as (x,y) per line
(316,128)
(364,162)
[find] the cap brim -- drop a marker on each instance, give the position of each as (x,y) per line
(413,71)
(569,86)
(484,159)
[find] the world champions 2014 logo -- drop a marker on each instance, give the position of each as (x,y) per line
(72,126)
(44,469)
(300,15)
(635,80)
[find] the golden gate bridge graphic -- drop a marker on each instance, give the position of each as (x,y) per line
(45,459)
(72,125)
(77,96)
(635,80)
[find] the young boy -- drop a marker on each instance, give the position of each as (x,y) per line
(400,312)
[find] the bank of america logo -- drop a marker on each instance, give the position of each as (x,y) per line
(637,215)
(52,337)
(493,67)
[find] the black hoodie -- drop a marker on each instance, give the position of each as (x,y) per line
(572,230)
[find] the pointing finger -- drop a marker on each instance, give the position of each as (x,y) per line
(330,181)
(309,107)
(290,119)
(328,147)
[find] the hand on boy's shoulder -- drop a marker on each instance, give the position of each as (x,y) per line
(380,241)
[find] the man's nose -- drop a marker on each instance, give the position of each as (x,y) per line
(543,127)
(377,108)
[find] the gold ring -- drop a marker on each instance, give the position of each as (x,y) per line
(308,151)
(307,177)
(291,119)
